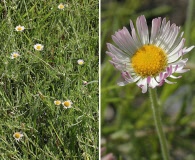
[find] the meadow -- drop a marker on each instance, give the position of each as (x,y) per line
(127,125)
(34,78)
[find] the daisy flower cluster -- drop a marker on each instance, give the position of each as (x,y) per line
(18,135)
(38,47)
(66,104)
(149,59)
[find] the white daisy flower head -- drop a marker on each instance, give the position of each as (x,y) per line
(148,60)
(57,102)
(61,6)
(38,47)
(18,136)
(67,104)
(19,28)
(80,61)
(14,55)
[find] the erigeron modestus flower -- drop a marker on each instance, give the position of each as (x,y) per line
(19,28)
(38,47)
(14,55)
(149,58)
(67,104)
(80,61)
(61,6)
(18,136)
(57,102)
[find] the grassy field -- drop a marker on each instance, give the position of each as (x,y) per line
(127,123)
(32,81)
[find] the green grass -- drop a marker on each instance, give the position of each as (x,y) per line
(30,83)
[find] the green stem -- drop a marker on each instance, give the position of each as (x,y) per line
(158,123)
(189,16)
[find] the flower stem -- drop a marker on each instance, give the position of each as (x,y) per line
(158,123)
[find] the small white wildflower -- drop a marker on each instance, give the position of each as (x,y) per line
(19,28)
(61,6)
(57,102)
(15,55)
(38,47)
(85,82)
(18,136)
(67,104)
(80,62)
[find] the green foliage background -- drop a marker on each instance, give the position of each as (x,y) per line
(127,126)
(30,84)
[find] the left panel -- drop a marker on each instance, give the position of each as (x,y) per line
(49,79)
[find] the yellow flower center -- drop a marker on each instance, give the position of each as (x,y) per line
(67,103)
(57,102)
(17,135)
(149,60)
(61,6)
(19,28)
(15,55)
(80,62)
(38,47)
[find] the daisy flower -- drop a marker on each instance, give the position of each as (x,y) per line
(148,59)
(38,47)
(85,82)
(57,102)
(18,136)
(19,28)
(67,104)
(61,6)
(80,62)
(15,55)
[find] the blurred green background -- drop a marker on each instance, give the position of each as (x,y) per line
(127,126)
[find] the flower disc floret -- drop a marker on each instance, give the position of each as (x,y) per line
(149,60)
